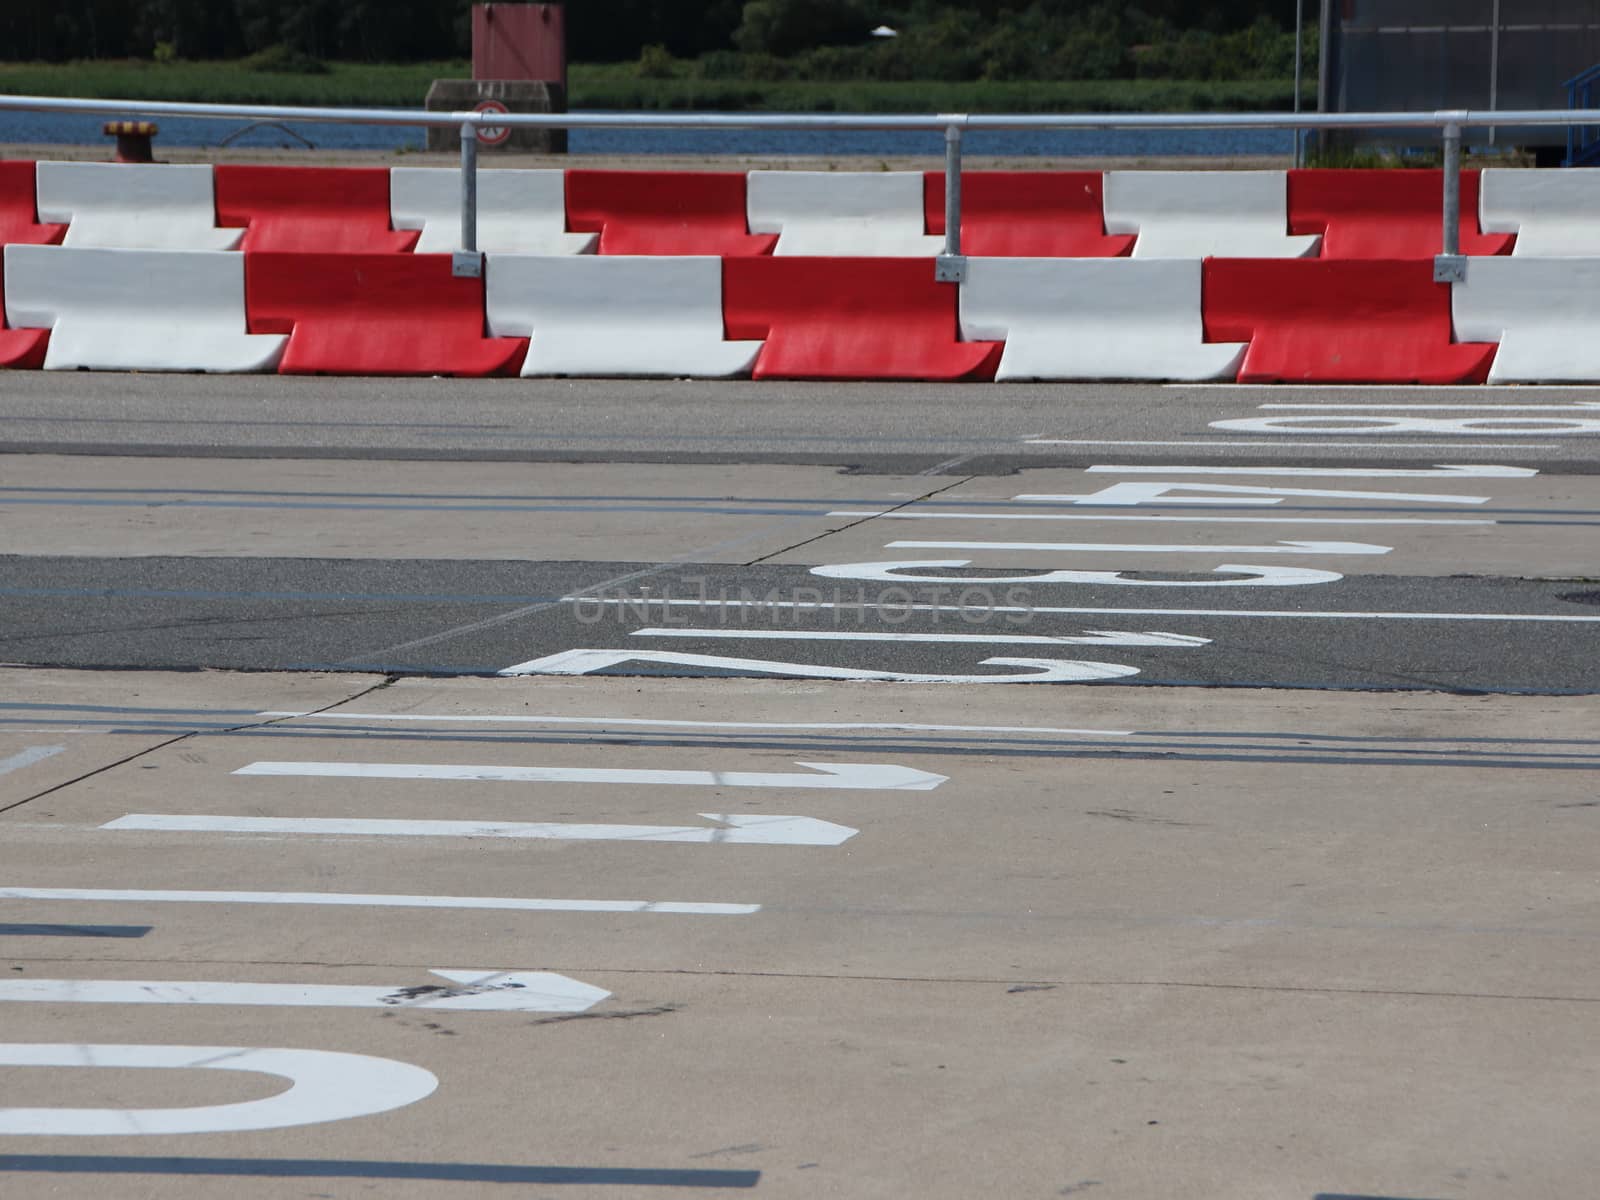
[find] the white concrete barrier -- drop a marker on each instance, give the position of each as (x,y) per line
(1544,312)
(1093,318)
(1553,213)
(136,310)
(1203,214)
(841,214)
(133,206)
(611,315)
(519,212)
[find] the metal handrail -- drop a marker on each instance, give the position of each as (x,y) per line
(1448,267)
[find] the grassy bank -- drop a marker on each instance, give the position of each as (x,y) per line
(618,86)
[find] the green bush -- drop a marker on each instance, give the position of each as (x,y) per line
(283,60)
(656,63)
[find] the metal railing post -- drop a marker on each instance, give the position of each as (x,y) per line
(951,265)
(1449,266)
(467,261)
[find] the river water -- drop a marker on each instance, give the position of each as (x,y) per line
(74,129)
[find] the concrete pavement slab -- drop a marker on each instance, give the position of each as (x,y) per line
(119,507)
(1133,944)
(893,428)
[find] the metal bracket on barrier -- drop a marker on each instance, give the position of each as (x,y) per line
(1449,268)
(950,268)
(466,264)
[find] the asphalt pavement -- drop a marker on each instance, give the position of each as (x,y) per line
(657,789)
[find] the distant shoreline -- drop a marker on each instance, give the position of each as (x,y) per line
(617,86)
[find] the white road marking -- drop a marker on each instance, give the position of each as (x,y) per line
(923,515)
(743,829)
(473,991)
(1136,548)
(1431,389)
(1201,442)
(26,758)
(1456,472)
(1572,406)
(661,723)
(1072,610)
(324,1085)
(361,900)
(1039,670)
(895,572)
(1466,426)
(855,776)
(1233,494)
(1106,638)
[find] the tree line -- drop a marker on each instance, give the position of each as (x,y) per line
(1000,39)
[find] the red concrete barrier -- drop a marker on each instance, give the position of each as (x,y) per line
(1385,214)
(1028,214)
(850,318)
(1337,321)
(374,314)
(19,222)
(310,210)
(664,212)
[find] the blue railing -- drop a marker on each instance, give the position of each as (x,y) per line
(1583,141)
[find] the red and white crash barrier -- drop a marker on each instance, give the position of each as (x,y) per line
(616,316)
(136,310)
(1205,214)
(519,212)
(1313,276)
(130,206)
(1555,214)
(842,215)
(1093,318)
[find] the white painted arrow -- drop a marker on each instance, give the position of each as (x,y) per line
(1161,518)
(1459,472)
(1135,548)
(854,776)
(1161,492)
(897,572)
(471,991)
(377,900)
(744,829)
(1093,637)
(1034,670)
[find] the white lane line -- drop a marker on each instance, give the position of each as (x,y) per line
(662,723)
(360,900)
(1573,406)
(1161,492)
(920,515)
(861,776)
(1335,423)
(851,606)
(1034,670)
(26,758)
(1133,548)
(1200,443)
(735,829)
(473,991)
(324,1085)
(1454,472)
(1431,389)
(893,571)
(1108,638)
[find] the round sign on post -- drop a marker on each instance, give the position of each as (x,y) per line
(492,135)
